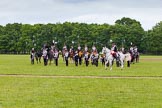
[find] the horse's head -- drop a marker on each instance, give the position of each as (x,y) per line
(105,50)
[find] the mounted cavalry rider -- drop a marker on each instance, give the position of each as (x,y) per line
(85,48)
(103,56)
(32,55)
(64,47)
(63,51)
(94,48)
(76,58)
(80,54)
(71,54)
(66,57)
(94,51)
(71,49)
(94,56)
(79,47)
(86,55)
(53,45)
(114,50)
(45,56)
(56,56)
(131,50)
(135,49)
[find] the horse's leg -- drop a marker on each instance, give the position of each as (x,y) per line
(102,62)
(110,64)
(122,64)
(56,60)
(31,61)
(134,58)
(86,62)
(106,64)
(117,63)
(36,59)
(44,59)
(71,60)
(80,60)
(39,59)
(131,59)
(128,63)
(50,61)
(97,63)
(137,59)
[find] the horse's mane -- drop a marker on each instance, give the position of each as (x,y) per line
(107,50)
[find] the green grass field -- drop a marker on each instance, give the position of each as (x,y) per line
(48,92)
(20,64)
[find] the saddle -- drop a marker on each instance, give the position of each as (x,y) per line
(113,53)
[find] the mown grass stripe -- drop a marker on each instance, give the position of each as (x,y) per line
(92,77)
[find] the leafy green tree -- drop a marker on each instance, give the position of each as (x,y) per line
(20,38)
(129,31)
(155,39)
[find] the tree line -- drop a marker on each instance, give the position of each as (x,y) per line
(20,38)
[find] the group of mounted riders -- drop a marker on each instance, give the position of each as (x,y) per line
(79,55)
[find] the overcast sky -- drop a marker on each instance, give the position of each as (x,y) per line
(148,12)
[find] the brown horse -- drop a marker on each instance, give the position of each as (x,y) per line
(80,52)
(63,53)
(71,56)
(51,56)
(38,56)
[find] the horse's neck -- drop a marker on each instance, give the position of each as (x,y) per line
(108,53)
(108,50)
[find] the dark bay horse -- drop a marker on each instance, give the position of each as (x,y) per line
(38,56)
(51,56)
(71,55)
(80,53)
(134,57)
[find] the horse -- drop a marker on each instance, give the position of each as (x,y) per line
(80,53)
(137,55)
(51,56)
(128,58)
(110,58)
(94,58)
(71,55)
(63,54)
(102,59)
(86,57)
(121,59)
(45,56)
(56,56)
(132,56)
(32,57)
(38,56)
